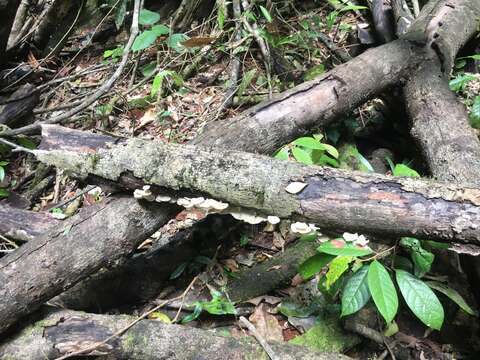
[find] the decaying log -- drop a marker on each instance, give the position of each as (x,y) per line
(48,265)
(59,332)
(23,225)
(19,105)
(331,198)
(8,9)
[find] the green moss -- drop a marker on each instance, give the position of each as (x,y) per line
(327,336)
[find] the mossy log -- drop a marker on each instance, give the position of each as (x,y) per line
(59,332)
(331,198)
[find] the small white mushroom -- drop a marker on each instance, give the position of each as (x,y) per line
(197,201)
(295,187)
(300,228)
(163,198)
(185,202)
(273,219)
(248,217)
(349,237)
(361,241)
(218,205)
(97,190)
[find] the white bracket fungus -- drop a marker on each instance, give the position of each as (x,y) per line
(295,187)
(144,193)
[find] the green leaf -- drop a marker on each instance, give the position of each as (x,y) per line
(144,40)
(420,299)
(402,263)
(314,72)
(195,314)
(302,156)
(120,13)
(341,247)
(149,69)
(4,163)
(4,192)
(266,14)
(383,291)
(356,293)
(452,294)
(160,30)
(422,259)
(352,8)
(404,170)
(148,17)
(331,150)
(314,264)
(2,173)
(336,268)
(179,270)
(221,15)
(26,142)
(282,154)
(458,84)
(174,41)
(309,143)
(475,112)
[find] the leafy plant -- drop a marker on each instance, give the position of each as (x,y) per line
(402,170)
(219,305)
(361,274)
(113,54)
(310,151)
(149,36)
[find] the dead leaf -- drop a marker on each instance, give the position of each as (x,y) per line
(267,325)
(297,280)
(198,41)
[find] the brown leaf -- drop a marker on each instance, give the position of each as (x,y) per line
(198,41)
(266,324)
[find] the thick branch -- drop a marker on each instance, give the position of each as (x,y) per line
(21,224)
(332,198)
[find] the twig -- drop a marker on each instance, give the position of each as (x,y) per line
(124,329)
(263,343)
(97,94)
(16,148)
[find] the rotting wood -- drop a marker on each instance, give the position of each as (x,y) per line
(59,332)
(332,198)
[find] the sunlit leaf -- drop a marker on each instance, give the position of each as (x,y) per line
(302,156)
(341,247)
(314,264)
(420,299)
(144,40)
(265,13)
(383,291)
(337,268)
(148,17)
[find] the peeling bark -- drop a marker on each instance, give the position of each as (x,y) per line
(332,198)
(60,332)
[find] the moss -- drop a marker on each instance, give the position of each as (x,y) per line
(327,336)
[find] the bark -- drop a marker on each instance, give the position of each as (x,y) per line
(55,261)
(19,106)
(24,225)
(332,198)
(267,126)
(8,9)
(60,332)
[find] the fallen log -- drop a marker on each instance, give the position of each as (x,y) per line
(19,106)
(327,197)
(59,332)
(67,253)
(19,224)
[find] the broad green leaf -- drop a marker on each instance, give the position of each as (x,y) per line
(282,154)
(404,170)
(195,314)
(266,14)
(355,294)
(149,69)
(148,17)
(422,259)
(144,40)
(314,264)
(302,156)
(383,291)
(4,193)
(336,268)
(120,13)
(309,143)
(174,41)
(453,295)
(459,83)
(341,247)
(2,173)
(331,150)
(420,299)
(160,30)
